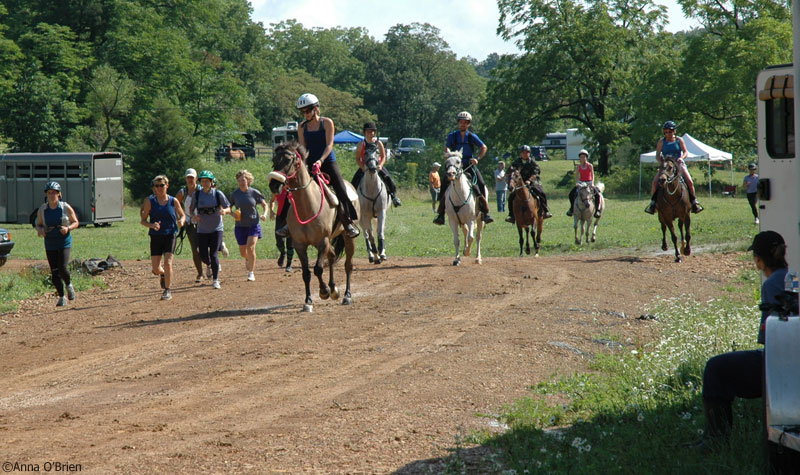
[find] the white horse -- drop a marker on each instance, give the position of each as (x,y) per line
(374,199)
(461,207)
(583,210)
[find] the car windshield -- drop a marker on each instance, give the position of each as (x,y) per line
(412,143)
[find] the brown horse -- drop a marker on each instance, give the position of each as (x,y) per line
(312,220)
(672,202)
(526,214)
(234,154)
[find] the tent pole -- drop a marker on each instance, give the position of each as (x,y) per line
(640,179)
(709,178)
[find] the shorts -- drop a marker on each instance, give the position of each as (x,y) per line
(244,232)
(161,244)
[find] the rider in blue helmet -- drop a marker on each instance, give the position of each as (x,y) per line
(672,147)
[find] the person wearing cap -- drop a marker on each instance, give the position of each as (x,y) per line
(740,373)
(500,185)
(529,171)
(162,214)
(472,149)
(751,188)
(184,196)
(54,222)
(369,145)
(672,147)
(585,176)
(315,134)
(248,228)
(209,205)
(435,184)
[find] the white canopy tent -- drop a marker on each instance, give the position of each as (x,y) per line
(698,152)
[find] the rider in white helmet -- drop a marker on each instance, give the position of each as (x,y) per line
(473,149)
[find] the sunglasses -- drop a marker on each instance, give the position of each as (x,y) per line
(308,109)
(159,185)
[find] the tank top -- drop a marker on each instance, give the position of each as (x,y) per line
(164,214)
(316,143)
(671,149)
(368,147)
(585,173)
(55,218)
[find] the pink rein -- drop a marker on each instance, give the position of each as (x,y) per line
(320,181)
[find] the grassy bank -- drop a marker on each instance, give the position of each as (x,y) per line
(638,405)
(33,281)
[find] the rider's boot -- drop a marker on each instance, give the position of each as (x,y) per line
(597,205)
(545,209)
(395,200)
(572,195)
(484,207)
(696,208)
(439,219)
(651,208)
(510,217)
(347,222)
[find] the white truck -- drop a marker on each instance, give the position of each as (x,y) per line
(779,209)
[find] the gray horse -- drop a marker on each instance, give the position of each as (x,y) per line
(374,200)
(583,211)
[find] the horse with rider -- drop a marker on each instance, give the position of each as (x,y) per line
(530,172)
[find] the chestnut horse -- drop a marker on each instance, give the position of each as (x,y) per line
(672,202)
(234,154)
(312,219)
(526,214)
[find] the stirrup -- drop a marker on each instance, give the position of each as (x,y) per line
(351,231)
(396,202)
(696,207)
(510,219)
(487,219)
(282,232)
(547,215)
(569,212)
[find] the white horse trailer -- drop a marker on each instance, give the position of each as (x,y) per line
(779,209)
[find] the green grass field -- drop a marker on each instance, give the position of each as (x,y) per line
(726,223)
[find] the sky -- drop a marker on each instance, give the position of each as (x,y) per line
(468,26)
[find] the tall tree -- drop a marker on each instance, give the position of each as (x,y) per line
(110,97)
(579,65)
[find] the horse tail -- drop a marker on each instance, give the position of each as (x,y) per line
(338,246)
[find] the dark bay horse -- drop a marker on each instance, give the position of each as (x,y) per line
(312,220)
(672,202)
(526,214)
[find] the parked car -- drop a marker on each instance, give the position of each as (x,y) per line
(539,153)
(6,244)
(409,146)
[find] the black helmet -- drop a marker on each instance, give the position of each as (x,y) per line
(53,185)
(670,125)
(752,166)
(370,126)
(525,148)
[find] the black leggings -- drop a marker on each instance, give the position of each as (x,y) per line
(58,261)
(387,179)
(752,198)
(283,243)
(735,374)
(209,248)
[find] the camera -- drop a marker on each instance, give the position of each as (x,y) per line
(209,210)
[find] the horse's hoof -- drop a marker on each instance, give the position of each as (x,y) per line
(308,308)
(536,255)
(335,293)
(664,247)
(377,261)
(677,259)
(324,294)
(347,301)
(687,251)
(577,243)
(478,261)
(527,251)
(594,239)
(383,258)
(456,262)
(371,259)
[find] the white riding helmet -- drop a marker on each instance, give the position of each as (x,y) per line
(583,152)
(307,100)
(464,116)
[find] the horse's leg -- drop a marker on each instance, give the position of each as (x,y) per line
(537,238)
(663,236)
(588,225)
(478,234)
(456,243)
(466,229)
(674,241)
(594,229)
(381,241)
(687,251)
(576,218)
(322,252)
(349,250)
(331,283)
(519,231)
(302,254)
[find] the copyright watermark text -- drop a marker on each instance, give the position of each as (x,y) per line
(54,467)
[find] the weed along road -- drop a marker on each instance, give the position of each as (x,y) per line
(239,381)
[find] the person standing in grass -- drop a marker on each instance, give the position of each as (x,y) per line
(247,229)
(184,196)
(740,373)
(209,205)
(162,214)
(54,222)
(751,188)
(500,185)
(435,183)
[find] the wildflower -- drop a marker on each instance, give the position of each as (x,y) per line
(640,417)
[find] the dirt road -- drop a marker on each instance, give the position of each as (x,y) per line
(238,380)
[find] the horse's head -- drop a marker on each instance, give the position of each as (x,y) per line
(667,173)
(287,158)
(452,164)
(516,180)
(371,160)
(585,193)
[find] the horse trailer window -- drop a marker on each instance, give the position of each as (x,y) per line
(780,127)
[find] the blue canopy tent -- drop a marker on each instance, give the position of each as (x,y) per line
(346,136)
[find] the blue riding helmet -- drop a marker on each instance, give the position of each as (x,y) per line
(53,185)
(670,125)
(525,148)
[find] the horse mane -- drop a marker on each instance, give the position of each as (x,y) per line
(453,155)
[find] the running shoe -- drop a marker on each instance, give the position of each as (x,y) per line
(167,295)
(71,292)
(251,276)
(216,284)
(198,279)
(62,301)
(224,249)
